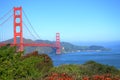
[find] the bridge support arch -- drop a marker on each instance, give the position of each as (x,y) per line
(18,27)
(58,51)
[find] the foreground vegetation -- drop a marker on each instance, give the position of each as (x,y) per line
(16,66)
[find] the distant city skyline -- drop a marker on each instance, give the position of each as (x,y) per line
(75,20)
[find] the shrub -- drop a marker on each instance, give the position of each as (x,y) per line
(97,68)
(15,67)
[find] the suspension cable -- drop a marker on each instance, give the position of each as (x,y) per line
(29,30)
(6,20)
(30,24)
(5,14)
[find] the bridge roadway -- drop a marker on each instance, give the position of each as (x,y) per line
(31,44)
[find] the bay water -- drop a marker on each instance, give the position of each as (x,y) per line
(111,57)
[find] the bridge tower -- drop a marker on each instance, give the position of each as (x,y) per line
(58,51)
(18,27)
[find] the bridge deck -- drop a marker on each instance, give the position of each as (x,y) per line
(31,44)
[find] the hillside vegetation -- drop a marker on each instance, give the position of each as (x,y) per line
(17,66)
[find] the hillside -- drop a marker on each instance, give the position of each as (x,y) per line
(34,66)
(65,47)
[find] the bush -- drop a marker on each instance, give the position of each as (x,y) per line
(38,65)
(90,68)
(97,68)
(71,70)
(15,67)
(10,64)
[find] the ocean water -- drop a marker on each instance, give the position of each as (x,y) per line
(111,58)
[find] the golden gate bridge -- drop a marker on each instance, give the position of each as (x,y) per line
(18,24)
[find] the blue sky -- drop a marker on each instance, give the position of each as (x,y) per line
(76,20)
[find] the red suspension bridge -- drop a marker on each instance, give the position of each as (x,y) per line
(18,24)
